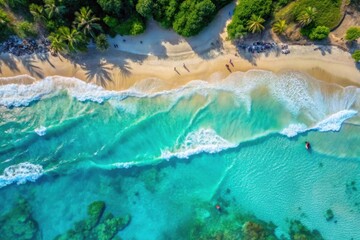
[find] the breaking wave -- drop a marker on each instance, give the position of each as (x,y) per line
(41,131)
(20,174)
(331,123)
(203,140)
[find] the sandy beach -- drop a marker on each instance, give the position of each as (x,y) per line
(155,61)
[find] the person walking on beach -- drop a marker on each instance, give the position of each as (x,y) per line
(176,70)
(186,67)
(228,67)
(232,64)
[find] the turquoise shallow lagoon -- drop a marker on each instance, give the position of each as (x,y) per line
(170,159)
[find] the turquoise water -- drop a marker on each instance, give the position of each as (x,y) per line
(168,158)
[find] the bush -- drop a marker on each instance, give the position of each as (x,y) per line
(356,55)
(352,34)
(25,29)
(319,33)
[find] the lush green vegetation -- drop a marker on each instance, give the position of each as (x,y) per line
(71,24)
(244,11)
(279,27)
(312,16)
(356,55)
(352,34)
(327,12)
(319,33)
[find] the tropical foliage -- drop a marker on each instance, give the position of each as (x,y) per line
(352,34)
(243,14)
(86,22)
(255,24)
(279,27)
(68,40)
(307,16)
(319,33)
(101,42)
(328,12)
(356,55)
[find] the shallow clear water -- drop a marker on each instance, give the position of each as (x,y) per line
(168,158)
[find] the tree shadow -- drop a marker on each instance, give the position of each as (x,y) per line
(9,61)
(44,57)
(210,36)
(323,46)
(28,63)
(100,73)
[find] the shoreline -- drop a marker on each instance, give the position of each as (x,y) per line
(148,60)
(120,70)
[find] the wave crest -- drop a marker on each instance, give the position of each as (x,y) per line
(203,140)
(330,123)
(20,174)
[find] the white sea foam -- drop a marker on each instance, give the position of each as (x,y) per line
(334,121)
(16,95)
(20,174)
(202,140)
(294,129)
(41,131)
(124,164)
(330,123)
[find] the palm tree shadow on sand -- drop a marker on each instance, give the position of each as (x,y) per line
(29,63)
(101,73)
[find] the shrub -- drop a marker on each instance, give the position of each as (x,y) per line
(319,33)
(352,34)
(356,55)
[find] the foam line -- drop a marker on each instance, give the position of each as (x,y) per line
(20,174)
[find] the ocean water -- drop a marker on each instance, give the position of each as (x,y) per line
(168,158)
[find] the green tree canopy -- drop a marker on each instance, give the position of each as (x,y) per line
(145,8)
(101,42)
(307,16)
(71,38)
(193,16)
(164,11)
(243,13)
(112,7)
(279,27)
(86,22)
(54,9)
(255,24)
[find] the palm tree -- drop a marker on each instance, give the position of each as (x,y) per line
(255,24)
(52,9)
(280,26)
(307,16)
(37,11)
(86,22)
(57,43)
(73,38)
